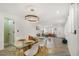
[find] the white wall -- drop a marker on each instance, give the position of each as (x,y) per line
(1,33)
(25,28)
(70,26)
(60,31)
(78,28)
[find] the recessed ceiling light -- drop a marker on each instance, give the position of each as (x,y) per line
(58,12)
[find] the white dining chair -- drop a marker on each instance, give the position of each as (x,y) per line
(33,50)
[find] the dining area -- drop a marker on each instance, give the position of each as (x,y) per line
(46,45)
(30,47)
(40,47)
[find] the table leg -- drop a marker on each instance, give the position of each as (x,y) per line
(20,52)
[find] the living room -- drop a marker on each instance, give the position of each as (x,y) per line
(27,28)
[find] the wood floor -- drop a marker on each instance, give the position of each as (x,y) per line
(43,51)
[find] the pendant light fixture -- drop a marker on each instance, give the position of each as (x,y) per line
(31,17)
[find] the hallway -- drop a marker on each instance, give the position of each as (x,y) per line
(60,49)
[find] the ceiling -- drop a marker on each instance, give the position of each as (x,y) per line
(54,13)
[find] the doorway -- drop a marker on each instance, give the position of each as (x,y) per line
(8,32)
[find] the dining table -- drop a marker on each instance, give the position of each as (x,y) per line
(25,46)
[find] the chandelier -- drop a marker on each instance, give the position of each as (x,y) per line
(32,18)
